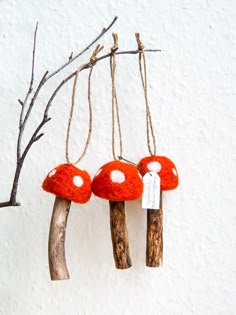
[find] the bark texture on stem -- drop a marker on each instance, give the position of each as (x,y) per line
(154,246)
(119,235)
(56,243)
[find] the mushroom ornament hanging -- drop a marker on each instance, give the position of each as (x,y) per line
(67,183)
(118,182)
(159,173)
(167,172)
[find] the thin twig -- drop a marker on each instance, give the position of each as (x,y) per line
(20,101)
(23,104)
(41,83)
(84,50)
(34,137)
(9,204)
(23,124)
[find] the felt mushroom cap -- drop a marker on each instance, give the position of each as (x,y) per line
(68,182)
(117,181)
(164,167)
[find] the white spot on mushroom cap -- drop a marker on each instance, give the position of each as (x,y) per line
(117,177)
(174,171)
(154,166)
(78,181)
(51,173)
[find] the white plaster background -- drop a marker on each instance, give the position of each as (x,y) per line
(192,96)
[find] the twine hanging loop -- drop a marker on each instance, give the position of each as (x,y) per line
(143,74)
(115,105)
(93,60)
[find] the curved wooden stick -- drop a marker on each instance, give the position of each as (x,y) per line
(56,242)
(154,245)
(119,235)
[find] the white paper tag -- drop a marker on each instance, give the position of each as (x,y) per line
(151,192)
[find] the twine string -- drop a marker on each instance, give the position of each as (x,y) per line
(115,105)
(151,139)
(93,60)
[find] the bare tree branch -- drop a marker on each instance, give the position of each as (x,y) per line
(44,79)
(24,118)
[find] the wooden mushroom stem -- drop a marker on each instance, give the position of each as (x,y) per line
(119,235)
(56,243)
(154,246)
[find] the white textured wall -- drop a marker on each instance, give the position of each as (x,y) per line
(192,96)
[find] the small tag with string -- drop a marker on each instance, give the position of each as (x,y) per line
(151,191)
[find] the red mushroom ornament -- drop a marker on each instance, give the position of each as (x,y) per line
(68,183)
(169,180)
(117,181)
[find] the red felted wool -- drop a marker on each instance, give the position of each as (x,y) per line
(164,167)
(69,182)
(117,181)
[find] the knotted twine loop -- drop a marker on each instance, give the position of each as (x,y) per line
(143,75)
(91,64)
(115,106)
(93,58)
